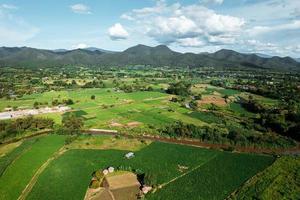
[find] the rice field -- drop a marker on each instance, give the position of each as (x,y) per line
(22,167)
(69,175)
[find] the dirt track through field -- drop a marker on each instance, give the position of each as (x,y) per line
(184,174)
(35,177)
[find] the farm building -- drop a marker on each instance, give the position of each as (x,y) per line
(129,155)
(121,186)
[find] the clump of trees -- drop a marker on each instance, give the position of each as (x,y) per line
(179,88)
(56,102)
(128,88)
(94,84)
(71,124)
(11,128)
(230,134)
(283,118)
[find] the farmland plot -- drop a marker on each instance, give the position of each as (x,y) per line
(215,179)
(163,161)
(18,174)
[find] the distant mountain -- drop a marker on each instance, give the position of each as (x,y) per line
(98,49)
(263,55)
(60,50)
(297,59)
(141,55)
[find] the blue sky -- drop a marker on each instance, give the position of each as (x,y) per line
(263,26)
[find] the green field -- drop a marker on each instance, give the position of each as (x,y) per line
(279,181)
(69,176)
(215,179)
(7,159)
(149,108)
(18,174)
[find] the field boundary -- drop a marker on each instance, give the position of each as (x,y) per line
(293,150)
(37,133)
(229,197)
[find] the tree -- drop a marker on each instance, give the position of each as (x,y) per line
(72,124)
(226,97)
(93,97)
(36,105)
(179,88)
(68,102)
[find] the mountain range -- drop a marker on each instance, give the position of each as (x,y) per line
(141,55)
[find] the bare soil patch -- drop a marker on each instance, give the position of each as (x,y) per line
(212,99)
(115,124)
(133,124)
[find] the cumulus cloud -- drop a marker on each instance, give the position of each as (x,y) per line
(80,46)
(80,9)
(189,25)
(293,25)
(117,32)
(190,42)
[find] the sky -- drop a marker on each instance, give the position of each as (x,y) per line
(263,26)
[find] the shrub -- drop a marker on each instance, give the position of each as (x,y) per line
(94,184)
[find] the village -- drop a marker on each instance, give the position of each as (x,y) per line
(12,114)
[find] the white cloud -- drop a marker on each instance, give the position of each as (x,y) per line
(80,46)
(257,46)
(125,16)
(190,42)
(173,23)
(9,6)
(80,9)
(207,2)
(256,30)
(118,32)
(13,29)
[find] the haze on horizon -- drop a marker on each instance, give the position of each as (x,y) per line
(262,26)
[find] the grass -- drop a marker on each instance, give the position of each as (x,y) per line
(18,174)
(279,181)
(237,108)
(7,148)
(107,142)
(69,175)
(206,117)
(215,179)
(8,158)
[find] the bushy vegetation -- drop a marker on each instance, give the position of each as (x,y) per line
(227,135)
(12,128)
(71,124)
(179,88)
(279,181)
(283,119)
